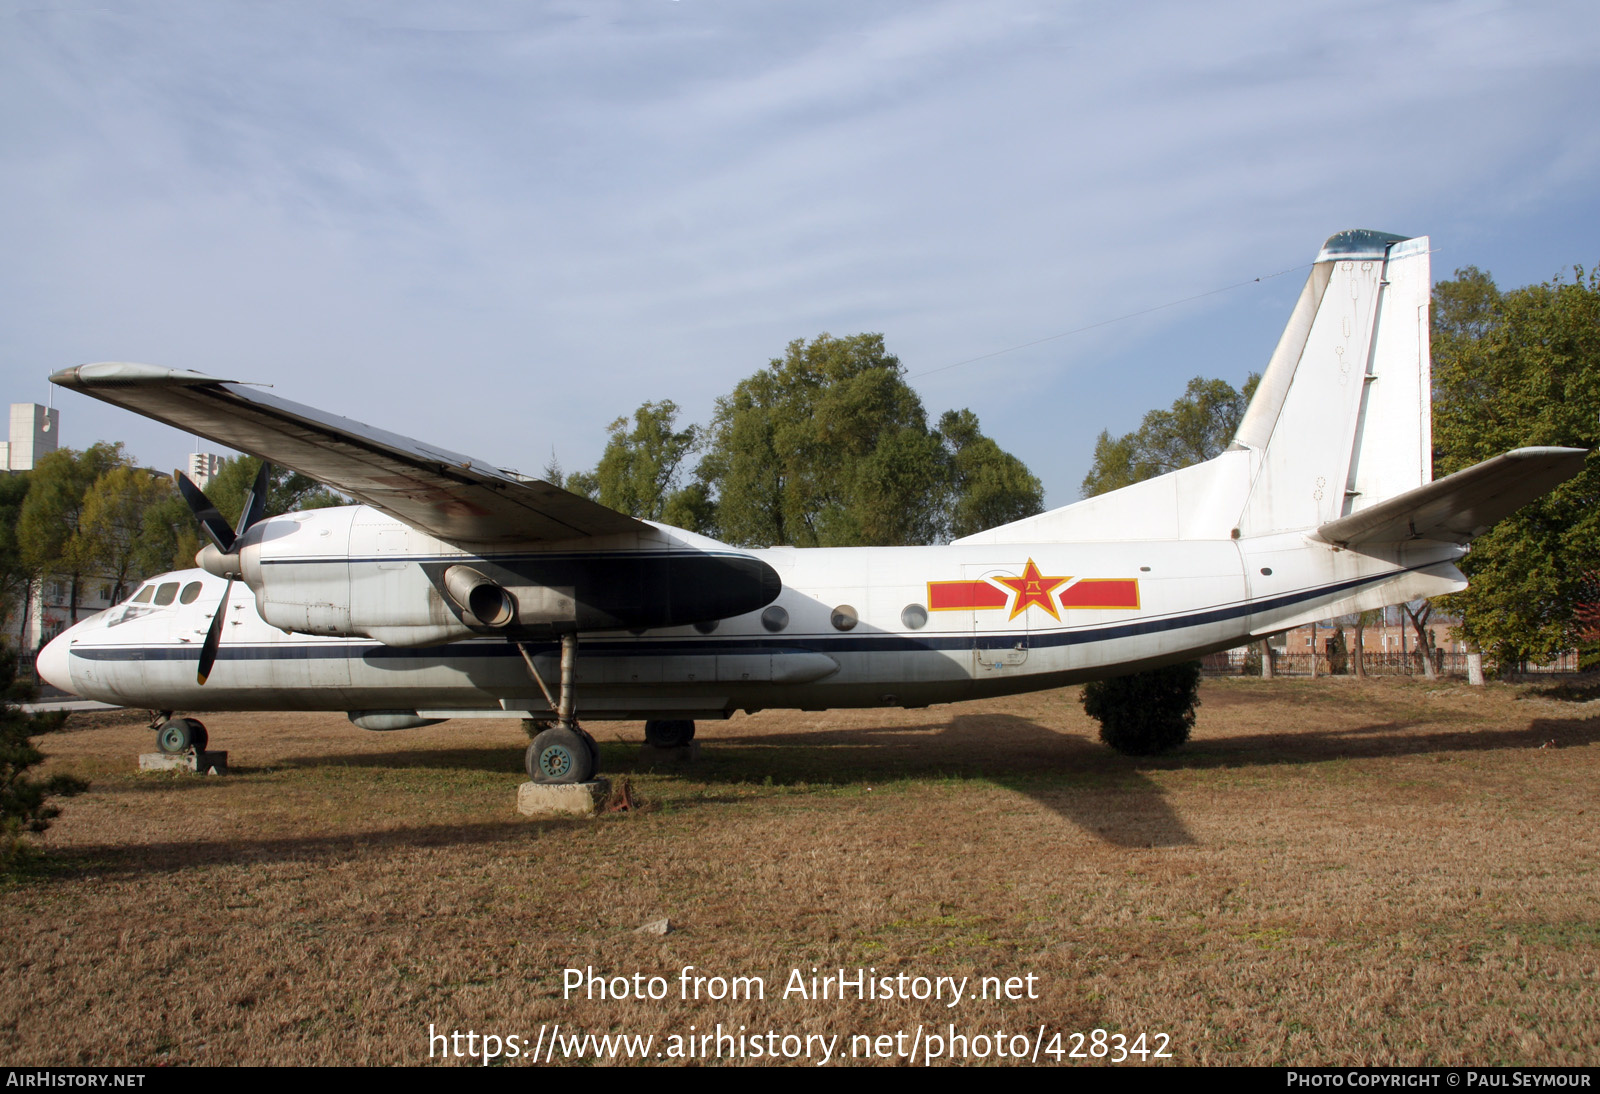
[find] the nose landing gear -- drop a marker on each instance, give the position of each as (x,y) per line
(175,735)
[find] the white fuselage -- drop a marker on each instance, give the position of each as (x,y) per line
(861,627)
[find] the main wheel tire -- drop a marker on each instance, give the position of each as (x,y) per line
(594,750)
(177,735)
(559,755)
(669,732)
(198,737)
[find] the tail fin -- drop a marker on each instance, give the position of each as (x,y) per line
(1340,421)
(1342,418)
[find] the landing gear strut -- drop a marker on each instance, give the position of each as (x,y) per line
(563,753)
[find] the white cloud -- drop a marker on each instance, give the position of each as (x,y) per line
(499,227)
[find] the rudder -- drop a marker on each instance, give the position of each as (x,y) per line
(1342,418)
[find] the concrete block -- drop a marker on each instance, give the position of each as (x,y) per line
(562,799)
(209,763)
(652,756)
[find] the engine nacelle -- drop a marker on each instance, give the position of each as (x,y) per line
(353,571)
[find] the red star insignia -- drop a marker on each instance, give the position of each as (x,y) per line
(1033,588)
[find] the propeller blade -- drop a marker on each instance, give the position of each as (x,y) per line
(211,521)
(208,651)
(255,503)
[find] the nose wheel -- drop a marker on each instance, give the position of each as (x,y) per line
(177,735)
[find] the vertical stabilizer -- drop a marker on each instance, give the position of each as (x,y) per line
(1342,417)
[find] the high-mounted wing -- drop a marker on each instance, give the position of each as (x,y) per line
(1460,507)
(448,495)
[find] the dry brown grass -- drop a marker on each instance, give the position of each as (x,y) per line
(1332,872)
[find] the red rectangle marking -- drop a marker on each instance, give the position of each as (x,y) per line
(1102,592)
(955,596)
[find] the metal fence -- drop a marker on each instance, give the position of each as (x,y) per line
(1390,663)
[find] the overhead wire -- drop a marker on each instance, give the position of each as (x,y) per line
(1108,322)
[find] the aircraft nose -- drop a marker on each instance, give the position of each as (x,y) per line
(52,664)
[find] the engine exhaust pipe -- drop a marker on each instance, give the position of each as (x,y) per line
(485,602)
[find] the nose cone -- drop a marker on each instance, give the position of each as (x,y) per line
(52,664)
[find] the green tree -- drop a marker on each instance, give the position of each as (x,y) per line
(988,486)
(287,491)
(169,524)
(640,467)
(1512,369)
(121,539)
(15,576)
(24,800)
(584,484)
(50,530)
(1196,428)
(826,447)
(692,508)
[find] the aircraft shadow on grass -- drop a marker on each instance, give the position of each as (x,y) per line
(123,860)
(1107,796)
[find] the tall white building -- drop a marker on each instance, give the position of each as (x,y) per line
(35,432)
(202,465)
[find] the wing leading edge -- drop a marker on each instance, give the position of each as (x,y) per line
(446,494)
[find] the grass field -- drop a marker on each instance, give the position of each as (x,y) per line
(1333,871)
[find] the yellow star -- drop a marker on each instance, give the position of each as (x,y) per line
(1033,588)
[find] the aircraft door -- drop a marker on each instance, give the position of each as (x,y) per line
(999,644)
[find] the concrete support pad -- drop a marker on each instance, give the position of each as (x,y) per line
(653,756)
(209,763)
(562,799)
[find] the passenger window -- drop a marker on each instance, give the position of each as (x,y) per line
(190,592)
(166,593)
(145,594)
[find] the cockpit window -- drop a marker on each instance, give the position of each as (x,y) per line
(144,595)
(190,592)
(166,593)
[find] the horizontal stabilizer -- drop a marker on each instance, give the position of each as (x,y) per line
(448,495)
(1459,507)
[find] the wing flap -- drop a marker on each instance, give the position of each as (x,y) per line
(449,495)
(1460,507)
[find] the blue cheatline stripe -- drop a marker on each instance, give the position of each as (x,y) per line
(883,643)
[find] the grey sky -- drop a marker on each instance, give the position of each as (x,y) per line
(496,227)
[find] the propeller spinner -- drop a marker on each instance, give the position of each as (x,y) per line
(219,557)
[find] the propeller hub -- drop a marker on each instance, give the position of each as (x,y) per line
(217,564)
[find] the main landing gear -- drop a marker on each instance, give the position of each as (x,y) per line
(669,732)
(563,752)
(175,735)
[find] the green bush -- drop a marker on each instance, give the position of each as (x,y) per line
(1146,712)
(24,801)
(1252,660)
(1338,654)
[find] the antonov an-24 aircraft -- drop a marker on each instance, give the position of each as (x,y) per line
(455,589)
